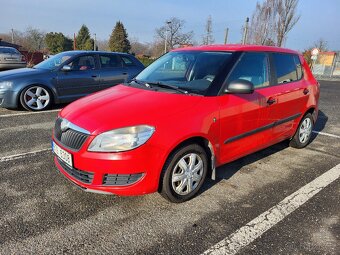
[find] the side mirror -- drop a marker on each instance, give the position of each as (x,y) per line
(240,86)
(66,68)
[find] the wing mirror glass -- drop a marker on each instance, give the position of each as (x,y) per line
(240,86)
(66,68)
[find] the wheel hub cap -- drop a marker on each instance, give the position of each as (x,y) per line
(187,174)
(305,130)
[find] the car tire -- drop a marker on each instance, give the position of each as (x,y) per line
(184,173)
(36,98)
(303,133)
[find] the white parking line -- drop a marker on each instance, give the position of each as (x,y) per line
(255,228)
(326,134)
(22,155)
(27,113)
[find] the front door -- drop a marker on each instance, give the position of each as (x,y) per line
(82,78)
(241,115)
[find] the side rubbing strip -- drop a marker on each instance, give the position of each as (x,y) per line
(279,122)
(260,129)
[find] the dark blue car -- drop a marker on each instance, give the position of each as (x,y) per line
(65,77)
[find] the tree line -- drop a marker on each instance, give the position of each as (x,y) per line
(33,39)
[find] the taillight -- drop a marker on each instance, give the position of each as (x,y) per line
(23,59)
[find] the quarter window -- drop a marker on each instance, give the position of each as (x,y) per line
(110,61)
(252,67)
(127,61)
(298,67)
(286,68)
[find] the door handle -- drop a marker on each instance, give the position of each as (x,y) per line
(271,101)
(305,91)
(93,76)
(124,73)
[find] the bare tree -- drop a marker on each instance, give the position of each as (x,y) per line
(286,18)
(272,20)
(321,44)
(139,48)
(208,37)
(103,45)
(261,29)
(172,33)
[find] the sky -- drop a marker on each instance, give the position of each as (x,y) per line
(319,18)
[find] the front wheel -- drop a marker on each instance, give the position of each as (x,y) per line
(35,98)
(303,133)
(184,173)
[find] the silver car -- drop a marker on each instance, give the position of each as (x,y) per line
(11,58)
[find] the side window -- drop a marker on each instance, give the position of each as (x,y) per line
(110,61)
(252,67)
(285,67)
(83,63)
(298,67)
(127,61)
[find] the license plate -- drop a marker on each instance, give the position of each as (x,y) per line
(62,154)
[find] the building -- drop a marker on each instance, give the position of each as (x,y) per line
(327,64)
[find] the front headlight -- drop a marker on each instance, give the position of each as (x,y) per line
(122,139)
(5,84)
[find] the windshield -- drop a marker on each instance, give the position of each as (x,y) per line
(193,71)
(55,61)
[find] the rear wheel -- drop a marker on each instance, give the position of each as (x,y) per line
(303,133)
(184,173)
(35,98)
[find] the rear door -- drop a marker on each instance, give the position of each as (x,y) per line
(241,115)
(82,79)
(287,98)
(112,70)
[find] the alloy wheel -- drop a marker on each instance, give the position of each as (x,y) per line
(36,98)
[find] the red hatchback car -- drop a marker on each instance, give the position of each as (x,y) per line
(190,111)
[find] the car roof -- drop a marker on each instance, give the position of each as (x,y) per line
(237,47)
(95,52)
(7,47)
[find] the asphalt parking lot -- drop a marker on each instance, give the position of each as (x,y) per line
(41,212)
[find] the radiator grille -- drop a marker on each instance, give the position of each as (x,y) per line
(69,138)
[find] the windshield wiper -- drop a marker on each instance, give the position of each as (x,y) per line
(166,86)
(136,81)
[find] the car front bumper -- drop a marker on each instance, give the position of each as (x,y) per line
(8,99)
(134,172)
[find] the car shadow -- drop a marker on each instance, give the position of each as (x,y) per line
(53,107)
(320,124)
(226,171)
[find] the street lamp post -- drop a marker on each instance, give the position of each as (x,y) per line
(94,42)
(166,36)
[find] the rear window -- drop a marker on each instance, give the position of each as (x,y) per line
(110,61)
(9,51)
(286,67)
